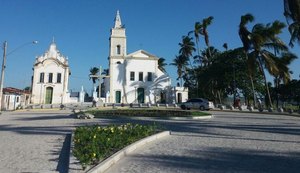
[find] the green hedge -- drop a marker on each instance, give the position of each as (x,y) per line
(146,112)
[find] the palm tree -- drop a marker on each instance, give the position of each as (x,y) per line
(197,31)
(282,63)
(94,71)
(187,47)
(245,36)
(284,73)
(292,13)
(264,38)
(162,64)
(225,46)
(205,23)
(181,63)
(208,59)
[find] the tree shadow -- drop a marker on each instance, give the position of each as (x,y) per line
(212,159)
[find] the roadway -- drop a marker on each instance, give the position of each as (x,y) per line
(228,142)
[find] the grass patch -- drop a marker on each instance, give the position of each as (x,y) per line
(146,113)
(92,144)
(292,107)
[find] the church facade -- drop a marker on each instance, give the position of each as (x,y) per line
(50,78)
(135,77)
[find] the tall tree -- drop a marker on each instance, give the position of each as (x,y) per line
(284,76)
(245,36)
(225,46)
(187,47)
(162,64)
(265,37)
(292,13)
(205,23)
(197,32)
(181,63)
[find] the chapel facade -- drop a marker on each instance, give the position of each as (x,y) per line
(50,78)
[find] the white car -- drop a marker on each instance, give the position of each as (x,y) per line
(197,103)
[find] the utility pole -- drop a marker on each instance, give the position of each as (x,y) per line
(2,72)
(5,54)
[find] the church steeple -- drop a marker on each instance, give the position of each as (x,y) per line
(118,23)
(118,38)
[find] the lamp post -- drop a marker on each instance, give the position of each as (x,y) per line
(5,54)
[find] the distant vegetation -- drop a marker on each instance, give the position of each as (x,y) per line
(241,71)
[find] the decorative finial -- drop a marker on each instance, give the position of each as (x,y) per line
(53,39)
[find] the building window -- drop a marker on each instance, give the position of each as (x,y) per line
(118,50)
(141,76)
(149,77)
(17,100)
(42,75)
(50,79)
(132,76)
(58,80)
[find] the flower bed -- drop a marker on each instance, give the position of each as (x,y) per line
(146,112)
(92,144)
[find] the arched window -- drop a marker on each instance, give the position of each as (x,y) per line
(118,49)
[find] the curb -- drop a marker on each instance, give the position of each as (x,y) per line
(295,114)
(192,118)
(109,162)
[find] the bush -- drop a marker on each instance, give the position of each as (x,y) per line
(92,144)
(146,112)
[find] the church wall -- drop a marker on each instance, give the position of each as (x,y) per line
(121,66)
(49,65)
(122,76)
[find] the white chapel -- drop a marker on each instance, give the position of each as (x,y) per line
(135,77)
(50,78)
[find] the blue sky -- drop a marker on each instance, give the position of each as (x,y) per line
(82,28)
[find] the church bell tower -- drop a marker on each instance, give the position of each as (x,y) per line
(117,39)
(117,53)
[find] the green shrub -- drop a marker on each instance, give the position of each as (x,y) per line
(292,107)
(92,144)
(146,112)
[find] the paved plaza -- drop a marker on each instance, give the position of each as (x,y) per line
(228,142)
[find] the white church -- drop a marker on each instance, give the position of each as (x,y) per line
(50,78)
(135,77)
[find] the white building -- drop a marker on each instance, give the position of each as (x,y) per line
(135,77)
(50,78)
(14,98)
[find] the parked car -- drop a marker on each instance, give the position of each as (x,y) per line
(197,103)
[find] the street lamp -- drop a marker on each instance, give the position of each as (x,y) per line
(4,65)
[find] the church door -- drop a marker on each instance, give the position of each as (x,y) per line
(141,95)
(49,95)
(118,96)
(179,97)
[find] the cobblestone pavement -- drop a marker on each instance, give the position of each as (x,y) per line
(229,142)
(32,142)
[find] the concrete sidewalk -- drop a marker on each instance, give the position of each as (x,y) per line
(230,142)
(35,141)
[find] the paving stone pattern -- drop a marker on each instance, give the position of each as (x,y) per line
(229,142)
